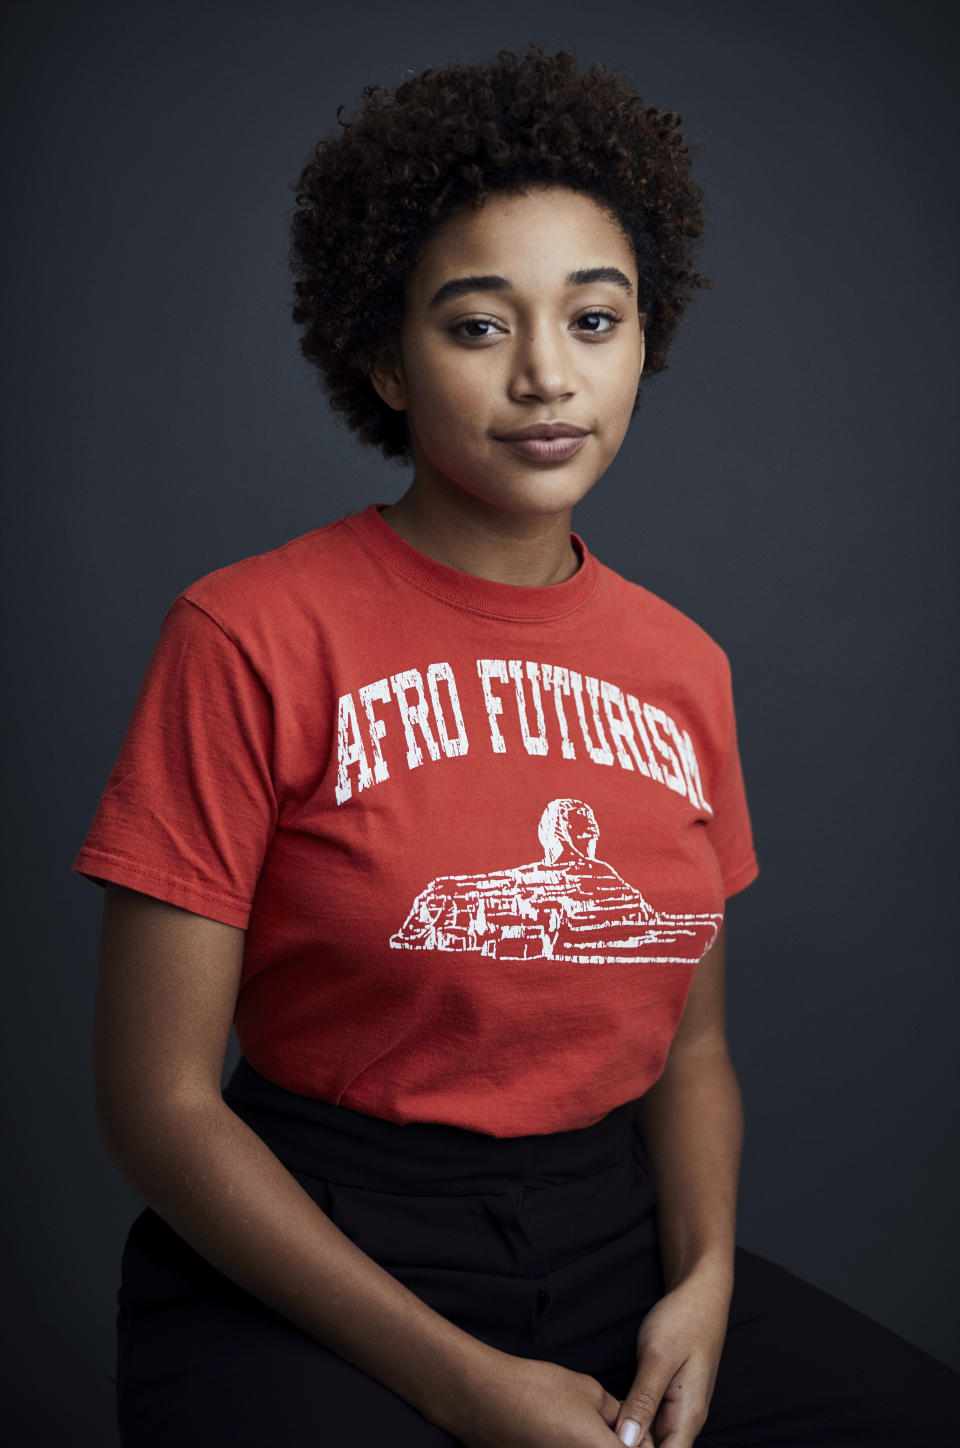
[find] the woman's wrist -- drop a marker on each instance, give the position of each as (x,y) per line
(712,1269)
(461,1383)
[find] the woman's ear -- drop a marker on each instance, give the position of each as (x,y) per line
(388,377)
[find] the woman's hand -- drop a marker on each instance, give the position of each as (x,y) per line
(678,1351)
(523,1403)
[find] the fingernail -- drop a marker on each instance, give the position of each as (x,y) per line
(629,1433)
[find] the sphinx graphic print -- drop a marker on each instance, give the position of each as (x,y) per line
(567,906)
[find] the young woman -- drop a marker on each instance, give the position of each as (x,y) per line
(442,813)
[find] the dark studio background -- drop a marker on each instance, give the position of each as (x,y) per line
(789,483)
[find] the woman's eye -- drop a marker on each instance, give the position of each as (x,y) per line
(611,317)
(472,322)
(607,316)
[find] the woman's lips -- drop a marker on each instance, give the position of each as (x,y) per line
(545,449)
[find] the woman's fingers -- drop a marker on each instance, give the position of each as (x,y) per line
(609,1408)
(639,1407)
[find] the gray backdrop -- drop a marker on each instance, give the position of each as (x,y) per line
(789,483)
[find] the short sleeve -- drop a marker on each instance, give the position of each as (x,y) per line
(190,808)
(730,830)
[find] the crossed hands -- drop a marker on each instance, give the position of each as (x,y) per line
(525,1403)
(678,1352)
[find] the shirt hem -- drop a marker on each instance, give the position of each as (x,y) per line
(103,867)
(741,878)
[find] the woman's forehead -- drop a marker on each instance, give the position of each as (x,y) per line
(546,236)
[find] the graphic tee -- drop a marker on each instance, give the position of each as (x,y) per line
(478,835)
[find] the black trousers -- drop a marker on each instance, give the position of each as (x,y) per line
(543,1246)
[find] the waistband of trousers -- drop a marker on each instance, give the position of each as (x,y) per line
(315,1138)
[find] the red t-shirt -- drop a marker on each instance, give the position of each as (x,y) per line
(478,835)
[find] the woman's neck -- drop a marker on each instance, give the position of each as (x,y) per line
(485,541)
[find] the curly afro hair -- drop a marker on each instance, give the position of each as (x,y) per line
(368,199)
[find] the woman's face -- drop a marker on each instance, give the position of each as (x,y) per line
(523,342)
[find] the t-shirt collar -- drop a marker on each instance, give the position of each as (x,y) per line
(465,590)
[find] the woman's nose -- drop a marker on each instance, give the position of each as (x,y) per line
(543,365)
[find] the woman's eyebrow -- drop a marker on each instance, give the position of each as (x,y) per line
(585,277)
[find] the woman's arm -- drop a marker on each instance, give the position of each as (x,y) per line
(692,1123)
(691,1120)
(165,999)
